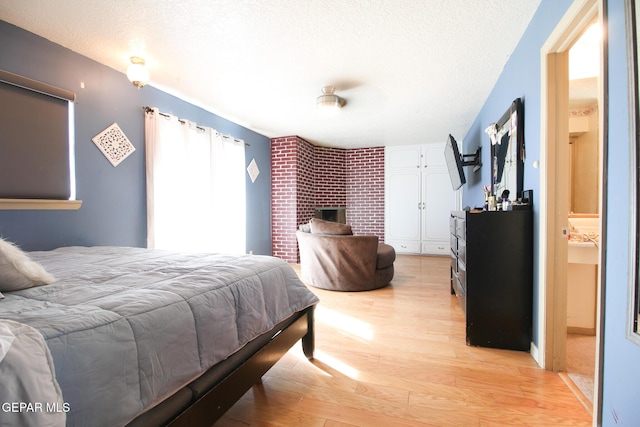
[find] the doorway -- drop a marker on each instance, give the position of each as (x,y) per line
(585,173)
(556,192)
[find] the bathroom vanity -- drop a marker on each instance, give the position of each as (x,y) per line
(582,273)
(492,276)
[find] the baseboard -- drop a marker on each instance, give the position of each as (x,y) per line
(581,331)
(535,354)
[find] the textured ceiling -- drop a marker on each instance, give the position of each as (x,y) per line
(411,71)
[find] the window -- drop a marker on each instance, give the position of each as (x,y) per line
(36,140)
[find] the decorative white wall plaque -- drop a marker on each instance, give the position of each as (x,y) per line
(253,170)
(114,144)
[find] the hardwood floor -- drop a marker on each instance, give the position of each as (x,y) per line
(397,357)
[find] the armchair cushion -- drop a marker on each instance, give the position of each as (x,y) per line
(320,226)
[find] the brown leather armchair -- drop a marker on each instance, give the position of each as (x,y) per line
(332,258)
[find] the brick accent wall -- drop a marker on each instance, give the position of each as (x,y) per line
(365,191)
(307,186)
(304,176)
(284,170)
(330,176)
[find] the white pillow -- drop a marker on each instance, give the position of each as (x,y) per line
(18,271)
(6,339)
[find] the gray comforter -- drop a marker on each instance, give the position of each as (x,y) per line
(126,327)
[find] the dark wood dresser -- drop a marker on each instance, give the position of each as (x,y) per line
(492,276)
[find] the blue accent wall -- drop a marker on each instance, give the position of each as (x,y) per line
(520,78)
(113,211)
(621,380)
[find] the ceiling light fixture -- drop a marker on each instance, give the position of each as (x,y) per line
(137,72)
(329,102)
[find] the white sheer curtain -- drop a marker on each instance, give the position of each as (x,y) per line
(196,197)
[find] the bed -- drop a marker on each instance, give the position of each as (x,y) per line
(133,336)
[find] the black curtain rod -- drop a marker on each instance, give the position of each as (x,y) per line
(150,110)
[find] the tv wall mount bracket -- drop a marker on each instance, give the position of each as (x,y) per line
(472,160)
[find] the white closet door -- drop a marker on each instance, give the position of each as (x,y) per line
(418,199)
(404,157)
(439,202)
(403,211)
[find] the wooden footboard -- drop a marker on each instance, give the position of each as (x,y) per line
(203,408)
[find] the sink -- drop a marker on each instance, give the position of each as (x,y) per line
(582,274)
(583,240)
(583,253)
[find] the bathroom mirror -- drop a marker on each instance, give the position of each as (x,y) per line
(507,152)
(585,144)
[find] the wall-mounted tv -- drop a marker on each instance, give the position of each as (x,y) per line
(454,163)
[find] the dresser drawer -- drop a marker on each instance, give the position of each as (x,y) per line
(462,250)
(460,228)
(462,275)
(454,264)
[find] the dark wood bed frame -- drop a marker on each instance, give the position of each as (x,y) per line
(203,401)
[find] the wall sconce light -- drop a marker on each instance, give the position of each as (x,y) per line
(137,72)
(329,102)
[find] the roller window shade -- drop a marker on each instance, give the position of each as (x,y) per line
(34,139)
